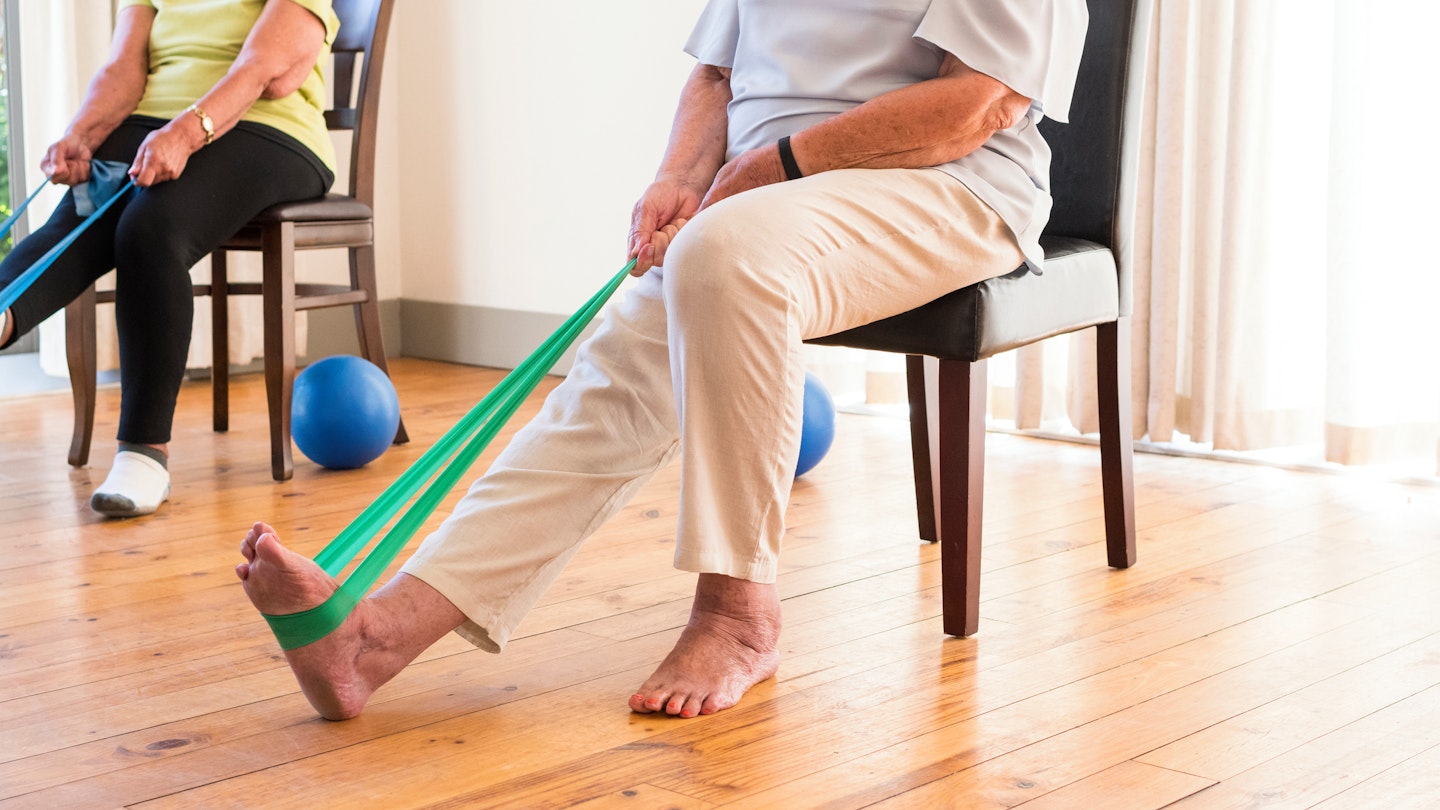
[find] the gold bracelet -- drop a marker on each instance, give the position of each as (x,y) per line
(205,122)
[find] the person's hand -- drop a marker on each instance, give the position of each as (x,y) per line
(67,161)
(751,169)
(162,155)
(662,211)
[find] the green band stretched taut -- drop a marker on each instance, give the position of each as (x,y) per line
(446,463)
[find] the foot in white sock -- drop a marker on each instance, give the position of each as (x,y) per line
(136,485)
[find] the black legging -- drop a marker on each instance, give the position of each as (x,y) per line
(152,238)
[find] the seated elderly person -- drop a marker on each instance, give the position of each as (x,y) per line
(832,162)
(217,108)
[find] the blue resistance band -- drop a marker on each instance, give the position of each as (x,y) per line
(15,217)
(17,288)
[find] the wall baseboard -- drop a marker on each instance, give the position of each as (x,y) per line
(478,336)
(332,331)
(452,333)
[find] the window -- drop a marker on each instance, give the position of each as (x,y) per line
(9,119)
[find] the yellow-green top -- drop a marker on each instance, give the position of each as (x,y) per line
(192,46)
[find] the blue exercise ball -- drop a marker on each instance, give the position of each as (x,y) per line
(343,412)
(818,430)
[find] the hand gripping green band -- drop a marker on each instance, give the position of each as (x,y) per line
(446,462)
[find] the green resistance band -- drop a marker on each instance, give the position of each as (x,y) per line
(446,462)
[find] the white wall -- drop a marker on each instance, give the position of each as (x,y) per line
(527,130)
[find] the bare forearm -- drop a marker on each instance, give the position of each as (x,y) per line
(925,124)
(285,43)
(698,136)
(113,94)
(116,90)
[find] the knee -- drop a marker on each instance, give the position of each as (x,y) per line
(145,240)
(713,268)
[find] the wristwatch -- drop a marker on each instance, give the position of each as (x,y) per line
(205,122)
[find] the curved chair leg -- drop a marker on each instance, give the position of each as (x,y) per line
(278,291)
(367,317)
(80,356)
(1116,441)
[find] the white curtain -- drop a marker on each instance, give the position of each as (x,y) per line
(63,43)
(1283,299)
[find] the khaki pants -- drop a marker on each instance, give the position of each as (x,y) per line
(703,357)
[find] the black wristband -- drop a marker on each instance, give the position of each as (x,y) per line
(787,159)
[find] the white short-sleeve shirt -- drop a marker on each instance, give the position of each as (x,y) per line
(795,63)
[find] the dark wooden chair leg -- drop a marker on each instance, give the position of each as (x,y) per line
(220,340)
(80,356)
(1116,441)
(278,248)
(367,317)
(961,455)
(920,447)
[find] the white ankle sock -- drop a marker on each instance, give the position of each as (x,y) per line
(136,485)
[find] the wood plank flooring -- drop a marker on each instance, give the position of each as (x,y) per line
(1278,644)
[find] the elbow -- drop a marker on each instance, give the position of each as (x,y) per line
(284,85)
(266,78)
(1006,111)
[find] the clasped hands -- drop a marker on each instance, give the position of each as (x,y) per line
(670,202)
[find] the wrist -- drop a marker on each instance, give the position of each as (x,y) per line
(696,185)
(787,159)
(84,136)
(201,120)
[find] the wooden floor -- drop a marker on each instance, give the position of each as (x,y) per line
(1278,644)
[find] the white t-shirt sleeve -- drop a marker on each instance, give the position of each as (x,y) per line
(1031,46)
(716,34)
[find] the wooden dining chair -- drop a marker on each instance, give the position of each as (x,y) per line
(1086,283)
(333,221)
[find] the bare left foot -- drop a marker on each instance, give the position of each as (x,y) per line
(381,636)
(730,644)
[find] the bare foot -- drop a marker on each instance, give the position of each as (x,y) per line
(338,673)
(729,646)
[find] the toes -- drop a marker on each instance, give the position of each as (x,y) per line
(269,550)
(691,708)
(650,699)
(713,704)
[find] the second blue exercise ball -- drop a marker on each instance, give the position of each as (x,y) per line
(818,431)
(343,412)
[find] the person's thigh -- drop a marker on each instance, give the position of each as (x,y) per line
(847,247)
(223,186)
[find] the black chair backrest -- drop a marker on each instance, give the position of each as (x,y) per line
(1086,172)
(364,28)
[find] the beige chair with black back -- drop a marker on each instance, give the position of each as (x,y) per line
(333,221)
(1086,283)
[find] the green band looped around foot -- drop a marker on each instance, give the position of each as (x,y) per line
(442,466)
(309,626)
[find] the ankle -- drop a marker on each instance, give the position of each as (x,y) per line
(156,452)
(747,611)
